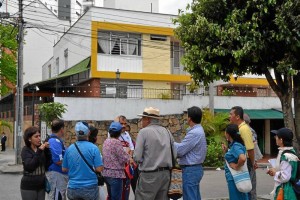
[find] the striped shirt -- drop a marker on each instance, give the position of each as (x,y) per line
(192,150)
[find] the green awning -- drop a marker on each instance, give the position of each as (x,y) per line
(76,69)
(258,114)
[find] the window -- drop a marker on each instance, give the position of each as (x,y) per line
(158,37)
(119,43)
(49,71)
(66,58)
(57,66)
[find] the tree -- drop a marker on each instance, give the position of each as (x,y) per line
(5,124)
(8,51)
(225,37)
(51,111)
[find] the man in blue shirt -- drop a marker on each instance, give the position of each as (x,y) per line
(83,182)
(191,153)
(57,178)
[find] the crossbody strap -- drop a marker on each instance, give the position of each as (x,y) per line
(173,159)
(84,158)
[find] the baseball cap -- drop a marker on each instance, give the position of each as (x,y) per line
(82,128)
(284,133)
(115,127)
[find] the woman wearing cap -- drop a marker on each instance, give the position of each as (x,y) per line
(286,164)
(35,159)
(114,159)
(236,157)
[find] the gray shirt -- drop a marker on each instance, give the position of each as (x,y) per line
(153,149)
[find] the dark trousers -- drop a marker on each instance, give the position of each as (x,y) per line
(135,178)
(3,146)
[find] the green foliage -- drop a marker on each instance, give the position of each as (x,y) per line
(5,124)
(51,111)
(227,92)
(214,156)
(214,125)
(221,38)
(8,57)
(193,87)
(165,95)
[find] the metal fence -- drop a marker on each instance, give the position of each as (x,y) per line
(126,92)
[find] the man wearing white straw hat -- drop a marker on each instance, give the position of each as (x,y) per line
(153,154)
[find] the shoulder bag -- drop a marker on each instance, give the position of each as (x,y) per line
(241,178)
(99,175)
(175,186)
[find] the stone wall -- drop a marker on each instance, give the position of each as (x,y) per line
(175,123)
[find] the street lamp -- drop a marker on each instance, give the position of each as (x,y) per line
(118,73)
(33,89)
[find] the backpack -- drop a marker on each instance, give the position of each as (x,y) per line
(296,182)
(48,154)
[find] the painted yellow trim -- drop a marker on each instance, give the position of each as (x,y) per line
(94,36)
(144,76)
(249,81)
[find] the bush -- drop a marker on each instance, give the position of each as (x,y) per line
(214,156)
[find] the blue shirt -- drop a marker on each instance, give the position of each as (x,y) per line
(80,175)
(192,150)
(232,156)
(57,149)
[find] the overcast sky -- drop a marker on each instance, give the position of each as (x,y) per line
(172,6)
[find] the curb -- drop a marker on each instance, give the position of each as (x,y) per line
(11,169)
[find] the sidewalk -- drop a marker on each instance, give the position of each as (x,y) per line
(7,163)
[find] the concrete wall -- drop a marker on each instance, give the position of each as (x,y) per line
(139,5)
(107,109)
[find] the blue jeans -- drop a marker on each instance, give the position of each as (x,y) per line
(87,193)
(114,188)
(191,177)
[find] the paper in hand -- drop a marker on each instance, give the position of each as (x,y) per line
(272,162)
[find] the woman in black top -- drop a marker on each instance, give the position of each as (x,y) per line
(36,158)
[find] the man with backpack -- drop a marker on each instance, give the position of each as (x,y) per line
(57,178)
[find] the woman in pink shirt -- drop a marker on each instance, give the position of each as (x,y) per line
(114,159)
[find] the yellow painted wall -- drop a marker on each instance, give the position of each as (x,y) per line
(156,55)
(156,89)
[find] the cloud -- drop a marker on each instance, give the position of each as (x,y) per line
(172,6)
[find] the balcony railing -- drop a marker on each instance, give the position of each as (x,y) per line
(121,91)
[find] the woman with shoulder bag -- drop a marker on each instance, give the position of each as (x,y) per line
(114,159)
(35,159)
(236,158)
(286,165)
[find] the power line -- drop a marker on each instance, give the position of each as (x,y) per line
(97,12)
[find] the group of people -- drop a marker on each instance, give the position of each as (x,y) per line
(71,172)
(243,149)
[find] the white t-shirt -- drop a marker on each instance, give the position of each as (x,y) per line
(126,137)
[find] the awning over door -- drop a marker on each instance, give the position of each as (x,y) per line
(258,114)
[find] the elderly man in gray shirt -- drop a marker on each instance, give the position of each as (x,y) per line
(153,154)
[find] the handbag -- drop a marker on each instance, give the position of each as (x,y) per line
(241,178)
(47,185)
(99,175)
(175,186)
(280,195)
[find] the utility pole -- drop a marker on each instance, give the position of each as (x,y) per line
(20,91)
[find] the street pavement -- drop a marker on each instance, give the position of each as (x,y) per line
(213,185)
